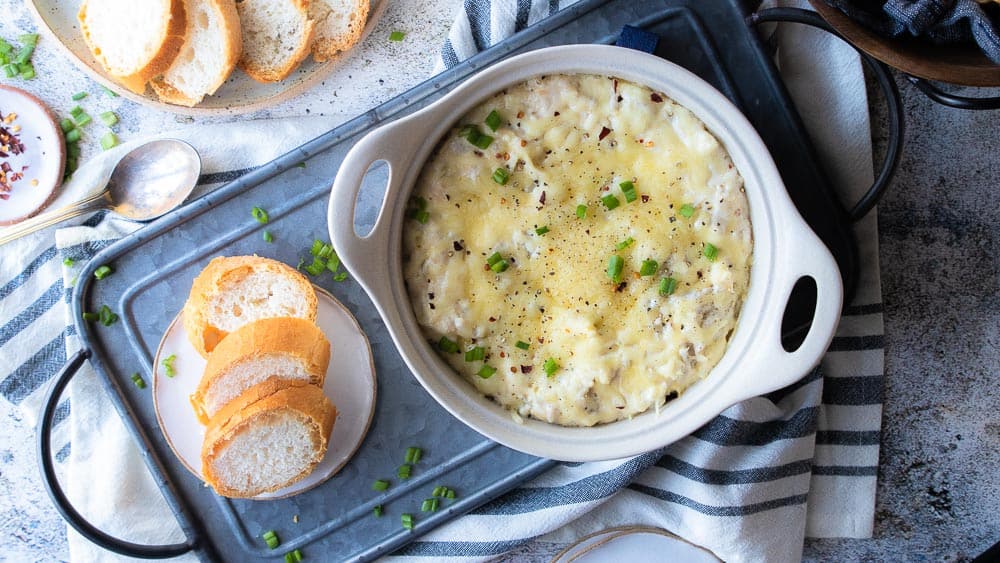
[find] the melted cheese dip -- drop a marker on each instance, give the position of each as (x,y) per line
(599,347)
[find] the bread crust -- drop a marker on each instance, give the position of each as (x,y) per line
(232,46)
(275,74)
(287,336)
(170,45)
(253,407)
(205,337)
(324,48)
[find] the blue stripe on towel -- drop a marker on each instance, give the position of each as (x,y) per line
(26,273)
(35,372)
(734,510)
(725,431)
(733,477)
(31,312)
(848,437)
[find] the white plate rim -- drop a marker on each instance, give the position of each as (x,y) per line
(96,73)
(321,293)
(617,532)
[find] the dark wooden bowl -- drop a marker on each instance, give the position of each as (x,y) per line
(964,65)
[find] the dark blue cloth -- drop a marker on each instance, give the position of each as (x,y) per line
(940,21)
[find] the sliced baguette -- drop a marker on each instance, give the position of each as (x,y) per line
(339,24)
(277,36)
(210,51)
(233,291)
(258,445)
(133,41)
(279,351)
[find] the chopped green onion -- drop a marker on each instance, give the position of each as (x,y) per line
(667,286)
(493,120)
(317,267)
(494,258)
(486,371)
(73,136)
(615,265)
(168,365)
(333,263)
(404,471)
(271,538)
(11,70)
(447,345)
(301,165)
(138,381)
(109,92)
(377,510)
(28,39)
(76,112)
(108,118)
(407,520)
(475,354)
(82,119)
(5,48)
(27,48)
(710,252)
(67,125)
(648,268)
(68,262)
(103,272)
(450,493)
(325,252)
(687,210)
(294,556)
(340,277)
(73,149)
(380,485)
(522,345)
(107,317)
(27,71)
(91,316)
(625,243)
(551,367)
(413,454)
(541,230)
(316,247)
(79,96)
(581,211)
(422,217)
(468,130)
(268,237)
(483,141)
(260,215)
(610,202)
(429,505)
(439,491)
(109,141)
(396,36)
(500,176)
(500,266)
(628,188)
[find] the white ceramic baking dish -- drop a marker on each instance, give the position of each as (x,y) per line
(785,250)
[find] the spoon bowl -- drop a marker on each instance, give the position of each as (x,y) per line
(149,181)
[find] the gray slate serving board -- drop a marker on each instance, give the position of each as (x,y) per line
(155,266)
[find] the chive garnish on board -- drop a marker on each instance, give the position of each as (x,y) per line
(396,36)
(109,141)
(380,485)
(108,118)
(404,471)
(138,381)
(107,317)
(268,237)
(413,454)
(103,272)
(271,539)
(407,520)
(377,510)
(293,556)
(260,215)
(79,96)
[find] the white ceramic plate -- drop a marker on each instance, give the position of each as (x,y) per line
(41,163)
(240,93)
(636,545)
(350,385)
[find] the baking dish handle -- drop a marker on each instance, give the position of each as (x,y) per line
(59,498)
(365,255)
(799,257)
(952,100)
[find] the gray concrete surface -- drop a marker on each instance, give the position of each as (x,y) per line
(939,483)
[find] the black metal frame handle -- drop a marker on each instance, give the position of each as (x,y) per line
(889,89)
(951,100)
(62,503)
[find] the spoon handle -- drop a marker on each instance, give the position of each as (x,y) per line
(38,222)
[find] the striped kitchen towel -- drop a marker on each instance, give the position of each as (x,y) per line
(749,485)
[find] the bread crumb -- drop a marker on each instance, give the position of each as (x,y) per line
(295,518)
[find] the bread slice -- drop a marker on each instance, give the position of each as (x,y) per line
(133,41)
(277,35)
(233,291)
(210,51)
(276,351)
(339,24)
(259,445)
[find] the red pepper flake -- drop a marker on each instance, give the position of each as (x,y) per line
(645,198)
(513,369)
(493,320)
(520,114)
(524,143)
(616,85)
(621,287)
(655,97)
(542,198)
(604,133)
(457,246)
(526,369)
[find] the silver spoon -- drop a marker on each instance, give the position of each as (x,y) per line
(149,181)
